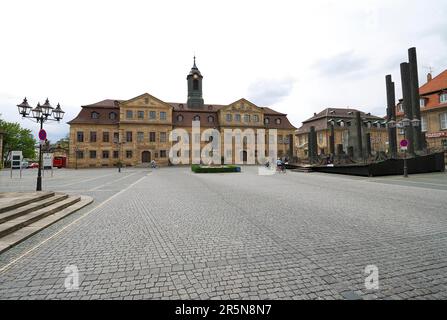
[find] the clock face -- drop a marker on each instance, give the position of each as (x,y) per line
(195,76)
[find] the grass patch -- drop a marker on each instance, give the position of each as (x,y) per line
(210,169)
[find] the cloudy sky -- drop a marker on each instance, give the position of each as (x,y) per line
(297,57)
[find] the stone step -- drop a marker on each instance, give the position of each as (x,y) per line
(27,219)
(34,206)
(22,234)
(13,200)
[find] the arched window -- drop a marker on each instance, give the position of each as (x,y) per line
(210,119)
(278,121)
(266,120)
(196,118)
(179,118)
(112,115)
(95,115)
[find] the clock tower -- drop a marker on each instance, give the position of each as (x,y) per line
(195,99)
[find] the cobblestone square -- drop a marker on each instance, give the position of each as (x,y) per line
(173,234)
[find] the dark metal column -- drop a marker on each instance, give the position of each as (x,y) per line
(415,98)
(406,94)
(332,141)
(391,116)
(358,128)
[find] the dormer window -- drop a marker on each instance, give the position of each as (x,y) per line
(210,119)
(422,102)
(443,98)
(266,120)
(196,118)
(278,121)
(95,115)
(179,118)
(112,116)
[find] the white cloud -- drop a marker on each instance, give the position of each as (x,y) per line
(80,52)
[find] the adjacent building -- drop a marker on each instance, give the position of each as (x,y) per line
(136,131)
(341,119)
(433,101)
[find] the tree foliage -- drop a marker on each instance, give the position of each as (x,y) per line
(17,138)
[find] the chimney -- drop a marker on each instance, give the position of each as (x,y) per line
(429,77)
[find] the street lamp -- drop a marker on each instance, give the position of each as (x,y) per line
(405,123)
(40,114)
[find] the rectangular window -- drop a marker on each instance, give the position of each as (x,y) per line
(152,115)
(115,154)
(92,154)
(151,136)
(162,137)
(162,153)
(129,114)
(140,115)
(105,137)
(443,120)
(279,139)
(237,117)
(423,123)
(105,154)
(116,137)
(162,115)
(128,136)
(129,154)
(229,117)
(92,136)
(247,118)
(320,138)
(80,136)
(80,154)
(255,118)
(422,102)
(443,98)
(140,136)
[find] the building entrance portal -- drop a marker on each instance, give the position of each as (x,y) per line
(145,157)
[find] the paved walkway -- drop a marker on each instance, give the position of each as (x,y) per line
(174,234)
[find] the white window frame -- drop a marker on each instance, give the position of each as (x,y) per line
(443,120)
(443,98)
(424,123)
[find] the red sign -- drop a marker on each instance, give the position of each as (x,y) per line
(42,134)
(436,134)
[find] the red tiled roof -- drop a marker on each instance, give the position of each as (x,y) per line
(438,83)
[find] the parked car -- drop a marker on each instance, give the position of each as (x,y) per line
(33,165)
(25,164)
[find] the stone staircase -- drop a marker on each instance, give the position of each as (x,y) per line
(24,214)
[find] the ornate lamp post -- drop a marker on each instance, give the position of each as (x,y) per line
(40,114)
(405,123)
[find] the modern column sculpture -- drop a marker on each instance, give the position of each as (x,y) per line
(415,98)
(391,116)
(408,110)
(359,142)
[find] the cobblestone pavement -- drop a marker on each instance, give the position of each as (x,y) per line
(172,234)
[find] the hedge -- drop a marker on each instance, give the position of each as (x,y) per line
(199,169)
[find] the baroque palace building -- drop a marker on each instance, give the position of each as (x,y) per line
(136,131)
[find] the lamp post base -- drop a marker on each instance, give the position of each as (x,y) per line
(39,184)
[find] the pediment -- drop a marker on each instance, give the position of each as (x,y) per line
(145,100)
(242,105)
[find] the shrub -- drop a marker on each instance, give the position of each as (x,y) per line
(221,169)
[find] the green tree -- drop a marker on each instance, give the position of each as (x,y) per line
(17,138)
